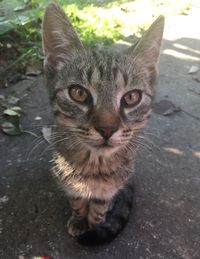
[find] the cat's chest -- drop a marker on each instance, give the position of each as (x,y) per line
(97,178)
(93,188)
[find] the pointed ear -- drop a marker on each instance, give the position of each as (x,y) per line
(147,51)
(60,41)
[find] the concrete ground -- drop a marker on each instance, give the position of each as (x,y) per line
(166,220)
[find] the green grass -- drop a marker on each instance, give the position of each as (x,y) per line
(97,21)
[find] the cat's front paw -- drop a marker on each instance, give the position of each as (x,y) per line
(95,221)
(77,226)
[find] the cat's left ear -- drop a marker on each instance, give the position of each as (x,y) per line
(147,51)
(60,40)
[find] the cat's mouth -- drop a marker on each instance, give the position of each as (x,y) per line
(105,147)
(105,144)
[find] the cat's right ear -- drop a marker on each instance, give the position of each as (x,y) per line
(60,40)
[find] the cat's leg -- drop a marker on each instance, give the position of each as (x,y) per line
(77,224)
(97,211)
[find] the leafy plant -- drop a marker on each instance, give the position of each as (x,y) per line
(10,123)
(97,21)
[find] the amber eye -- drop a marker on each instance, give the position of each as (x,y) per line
(131,98)
(78,94)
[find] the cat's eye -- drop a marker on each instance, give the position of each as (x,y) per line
(78,94)
(132,98)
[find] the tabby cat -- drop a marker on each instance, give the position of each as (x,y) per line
(101,101)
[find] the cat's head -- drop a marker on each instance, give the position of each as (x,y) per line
(101,99)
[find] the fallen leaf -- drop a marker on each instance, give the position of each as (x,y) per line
(13,111)
(46,132)
(10,112)
(19,8)
(165,107)
(37,118)
(32,70)
(193,69)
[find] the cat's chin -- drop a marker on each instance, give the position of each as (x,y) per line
(104,148)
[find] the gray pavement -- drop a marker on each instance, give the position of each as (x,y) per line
(165,222)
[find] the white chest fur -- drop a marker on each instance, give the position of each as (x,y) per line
(91,179)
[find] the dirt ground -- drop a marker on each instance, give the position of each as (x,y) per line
(165,221)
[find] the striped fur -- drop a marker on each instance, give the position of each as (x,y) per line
(96,141)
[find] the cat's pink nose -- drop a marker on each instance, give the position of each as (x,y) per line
(106,132)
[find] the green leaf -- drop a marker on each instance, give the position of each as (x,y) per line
(5,26)
(11,126)
(19,8)
(17,108)
(10,112)
(13,111)
(22,20)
